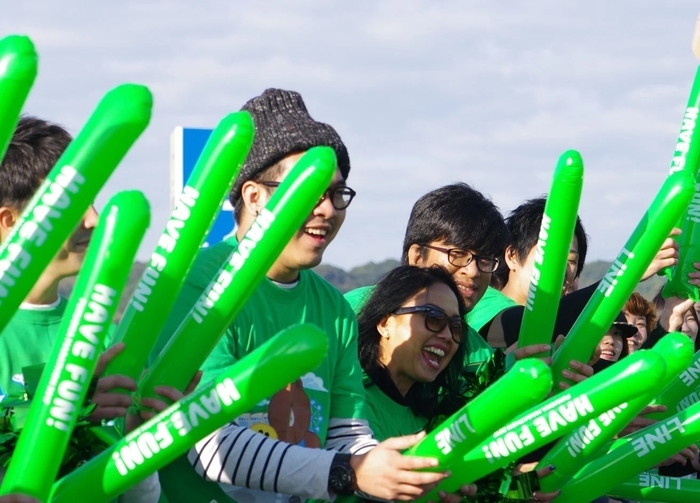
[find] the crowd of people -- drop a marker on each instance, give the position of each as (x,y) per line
(403,354)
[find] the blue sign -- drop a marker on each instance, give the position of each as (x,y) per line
(186,144)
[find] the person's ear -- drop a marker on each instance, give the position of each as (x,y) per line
(511,258)
(8,219)
(251,195)
(415,256)
(386,326)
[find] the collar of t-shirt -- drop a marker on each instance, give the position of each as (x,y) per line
(40,307)
(285,286)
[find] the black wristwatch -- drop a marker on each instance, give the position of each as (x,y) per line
(341,478)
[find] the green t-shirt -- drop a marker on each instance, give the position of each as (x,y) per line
(478,350)
(298,414)
(492,303)
(27,340)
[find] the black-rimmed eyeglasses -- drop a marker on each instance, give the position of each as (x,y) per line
(340,195)
(462,258)
(436,320)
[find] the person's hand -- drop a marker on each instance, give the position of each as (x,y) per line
(467,490)
(688,454)
(156,405)
(674,311)
(542,472)
(110,404)
(641,422)
(579,372)
(531,350)
(667,256)
(385,473)
(17,498)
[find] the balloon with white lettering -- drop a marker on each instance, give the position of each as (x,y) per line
(625,272)
(18,67)
(587,441)
(685,158)
(654,487)
(62,199)
(194,214)
(682,392)
(552,251)
(288,208)
(259,375)
(633,454)
(469,426)
(81,337)
(554,418)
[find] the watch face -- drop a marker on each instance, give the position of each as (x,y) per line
(341,480)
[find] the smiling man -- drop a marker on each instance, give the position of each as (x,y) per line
(311,439)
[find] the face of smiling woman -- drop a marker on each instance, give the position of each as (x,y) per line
(611,345)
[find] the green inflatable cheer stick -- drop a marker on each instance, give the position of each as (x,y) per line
(625,272)
(580,446)
(18,66)
(281,360)
(195,211)
(246,267)
(469,426)
(686,157)
(62,388)
(682,392)
(552,252)
(635,453)
(68,191)
(554,418)
(654,487)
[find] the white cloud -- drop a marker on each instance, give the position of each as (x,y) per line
(312,381)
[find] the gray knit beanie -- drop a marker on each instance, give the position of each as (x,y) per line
(283,126)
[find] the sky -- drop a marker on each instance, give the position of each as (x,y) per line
(423,93)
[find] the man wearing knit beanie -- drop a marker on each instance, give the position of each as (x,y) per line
(310,440)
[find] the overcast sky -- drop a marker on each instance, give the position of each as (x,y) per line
(423,93)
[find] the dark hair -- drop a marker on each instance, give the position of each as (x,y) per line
(392,291)
(524,224)
(460,216)
(639,306)
(34,149)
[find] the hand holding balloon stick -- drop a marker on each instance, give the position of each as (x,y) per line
(580,446)
(68,191)
(554,418)
(283,216)
(686,157)
(551,254)
(18,67)
(281,360)
(633,454)
(654,487)
(195,211)
(63,386)
(469,426)
(624,273)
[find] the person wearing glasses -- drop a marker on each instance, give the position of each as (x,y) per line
(311,439)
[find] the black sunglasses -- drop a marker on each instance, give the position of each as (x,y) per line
(340,195)
(462,258)
(436,320)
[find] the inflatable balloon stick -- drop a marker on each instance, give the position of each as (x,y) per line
(554,418)
(68,191)
(466,428)
(624,273)
(63,387)
(681,392)
(686,157)
(654,487)
(580,446)
(282,217)
(552,252)
(635,453)
(195,211)
(281,360)
(18,67)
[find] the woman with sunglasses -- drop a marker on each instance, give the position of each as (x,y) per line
(411,350)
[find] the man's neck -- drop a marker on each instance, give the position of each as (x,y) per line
(45,292)
(282,274)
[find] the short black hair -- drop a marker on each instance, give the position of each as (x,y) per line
(524,224)
(460,216)
(391,292)
(34,149)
